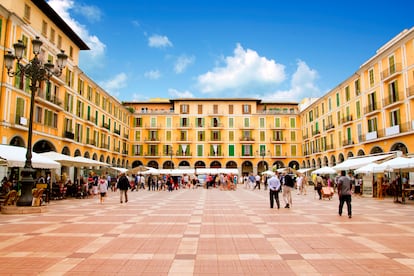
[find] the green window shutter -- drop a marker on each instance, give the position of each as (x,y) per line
(242,150)
(231,150)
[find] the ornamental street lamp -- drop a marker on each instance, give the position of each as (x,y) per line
(37,72)
(263,153)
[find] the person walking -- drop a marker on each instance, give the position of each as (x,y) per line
(123,186)
(102,188)
(344,193)
(274,189)
(288,185)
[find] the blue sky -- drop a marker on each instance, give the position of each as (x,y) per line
(270,49)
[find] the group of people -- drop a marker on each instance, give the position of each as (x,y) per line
(285,182)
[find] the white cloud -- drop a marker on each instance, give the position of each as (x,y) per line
(91,13)
(158,41)
(244,69)
(182,63)
(302,85)
(97,48)
(180,94)
(113,85)
(152,75)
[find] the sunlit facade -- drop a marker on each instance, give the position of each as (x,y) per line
(370,112)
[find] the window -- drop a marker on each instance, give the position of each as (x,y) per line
(293,150)
(70,51)
(26,12)
(395,117)
(347,94)
(393,92)
(137,135)
(231,150)
(231,107)
(247,150)
(246,122)
(199,122)
(262,122)
(52,35)
(168,122)
(372,101)
(246,109)
(38,114)
(89,96)
(277,135)
(184,122)
(51,120)
(293,122)
(69,77)
(262,136)
(293,136)
(68,102)
(231,122)
(277,122)
(278,150)
(201,136)
(357,87)
(338,100)
(200,109)
(311,116)
(44,28)
(184,109)
(138,122)
(199,150)
(358,109)
(371,77)
(168,135)
(391,64)
(59,42)
(215,109)
(80,86)
(231,136)
(329,104)
(153,122)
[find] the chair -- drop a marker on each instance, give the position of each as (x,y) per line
(10,198)
(37,196)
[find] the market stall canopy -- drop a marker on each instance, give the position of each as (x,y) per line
(65,160)
(305,170)
(142,170)
(268,172)
(357,162)
(90,162)
(16,157)
(324,170)
(398,163)
(369,169)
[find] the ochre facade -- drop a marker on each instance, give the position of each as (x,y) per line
(370,112)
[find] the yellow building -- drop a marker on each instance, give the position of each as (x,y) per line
(371,111)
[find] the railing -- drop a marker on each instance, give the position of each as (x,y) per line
(69,135)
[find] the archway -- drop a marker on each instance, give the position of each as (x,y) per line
(294,165)
(231,165)
(17,141)
(153,164)
(341,158)
(77,153)
(333,160)
(136,163)
(184,164)
(401,147)
(247,168)
(361,152)
(376,149)
(278,164)
(325,161)
(262,166)
(43,146)
(215,165)
(199,164)
(349,155)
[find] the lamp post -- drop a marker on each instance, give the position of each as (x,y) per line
(171,153)
(263,153)
(37,72)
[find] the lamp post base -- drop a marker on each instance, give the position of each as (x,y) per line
(27,184)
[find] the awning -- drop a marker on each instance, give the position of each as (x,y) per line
(357,162)
(324,170)
(65,160)
(90,162)
(16,157)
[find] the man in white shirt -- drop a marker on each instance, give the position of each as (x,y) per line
(274,189)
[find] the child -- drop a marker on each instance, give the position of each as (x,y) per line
(102,188)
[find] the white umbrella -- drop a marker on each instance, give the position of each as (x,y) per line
(324,170)
(268,172)
(370,168)
(398,163)
(16,157)
(90,162)
(66,160)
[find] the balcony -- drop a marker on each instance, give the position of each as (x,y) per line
(48,100)
(184,126)
(152,155)
(106,125)
(392,100)
(90,120)
(125,152)
(152,140)
(246,140)
(278,140)
(348,142)
(216,126)
(69,135)
(281,126)
(126,136)
(391,71)
(329,127)
(217,155)
(316,132)
(371,109)
(91,142)
(152,126)
(346,120)
(104,146)
(410,91)
(117,131)
(246,127)
(184,155)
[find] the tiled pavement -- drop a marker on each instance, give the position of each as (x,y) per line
(209,232)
